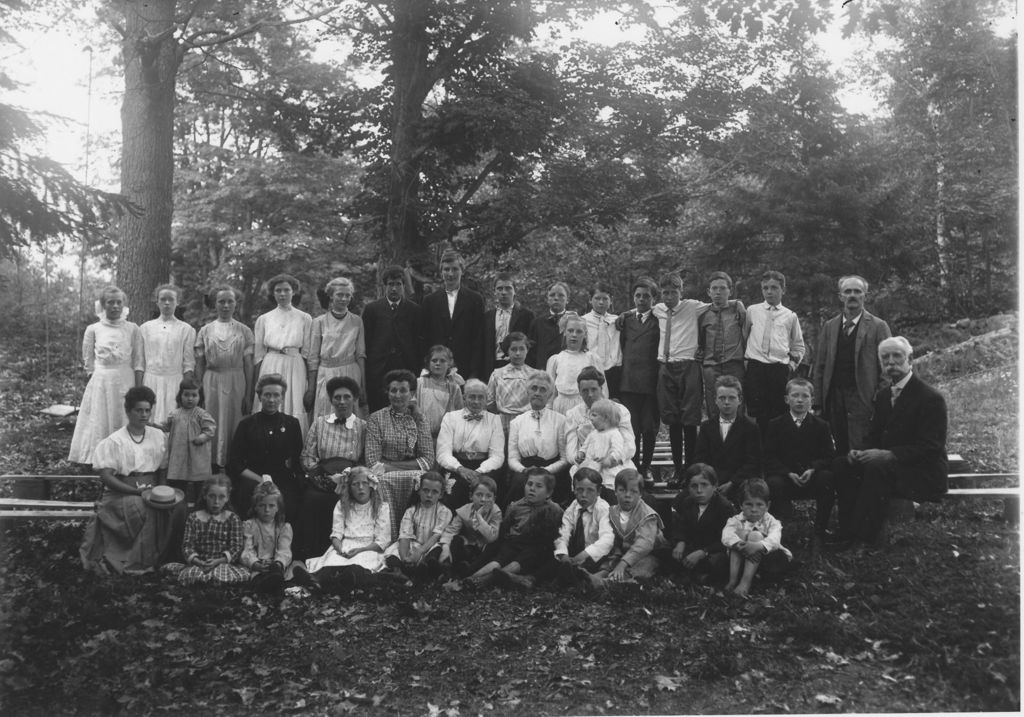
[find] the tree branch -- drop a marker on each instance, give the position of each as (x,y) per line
(193,41)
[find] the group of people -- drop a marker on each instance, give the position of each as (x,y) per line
(498,444)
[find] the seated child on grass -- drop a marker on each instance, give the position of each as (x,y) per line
(267,540)
(527,532)
(416,552)
(586,535)
(473,527)
(752,537)
(638,532)
(603,449)
(213,539)
(698,517)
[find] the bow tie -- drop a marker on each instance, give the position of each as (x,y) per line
(473,416)
(536,414)
(725,420)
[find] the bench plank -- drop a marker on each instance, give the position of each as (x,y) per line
(49,504)
(79,476)
(59,514)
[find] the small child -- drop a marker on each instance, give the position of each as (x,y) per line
(189,459)
(360,534)
(473,527)
(526,534)
(638,532)
(775,346)
(507,394)
(603,336)
(698,518)
(731,444)
(585,537)
(752,536)
(721,339)
(213,539)
(545,334)
(603,449)
(415,553)
(439,389)
(564,367)
(268,540)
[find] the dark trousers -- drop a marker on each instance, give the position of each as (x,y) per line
(612,379)
(865,489)
(764,391)
(821,488)
(849,417)
(461,491)
(643,415)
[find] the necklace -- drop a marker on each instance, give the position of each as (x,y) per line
(141,438)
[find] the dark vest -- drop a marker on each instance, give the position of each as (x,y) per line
(844,371)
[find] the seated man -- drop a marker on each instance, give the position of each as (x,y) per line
(731,444)
(906,457)
(798,455)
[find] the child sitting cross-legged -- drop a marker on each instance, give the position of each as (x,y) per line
(416,551)
(213,539)
(698,516)
(752,537)
(527,532)
(474,526)
(267,540)
(638,532)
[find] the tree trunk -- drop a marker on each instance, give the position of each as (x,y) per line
(941,234)
(151,60)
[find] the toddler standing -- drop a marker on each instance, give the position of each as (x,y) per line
(191,429)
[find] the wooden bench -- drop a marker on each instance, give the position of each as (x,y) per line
(32,499)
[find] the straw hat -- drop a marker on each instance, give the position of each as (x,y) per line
(162,497)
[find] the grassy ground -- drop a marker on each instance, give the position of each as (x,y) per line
(930,625)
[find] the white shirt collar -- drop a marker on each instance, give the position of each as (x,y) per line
(902,383)
(795,419)
(350,422)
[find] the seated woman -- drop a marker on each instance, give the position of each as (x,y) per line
(471,443)
(398,444)
(334,442)
(133,531)
(537,439)
(267,446)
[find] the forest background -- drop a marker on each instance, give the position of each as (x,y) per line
(711,137)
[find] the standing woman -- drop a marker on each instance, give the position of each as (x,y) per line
(337,347)
(112,353)
(223,350)
(138,526)
(282,336)
(169,344)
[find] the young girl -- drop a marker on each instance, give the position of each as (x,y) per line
(361,532)
(565,367)
(213,539)
(439,389)
(507,394)
(191,430)
(168,347)
(268,540)
(422,527)
(751,537)
(604,450)
(638,532)
(473,527)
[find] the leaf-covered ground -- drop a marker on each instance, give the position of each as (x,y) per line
(932,624)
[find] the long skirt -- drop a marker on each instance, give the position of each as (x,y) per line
(129,536)
(102,410)
(224,389)
(396,487)
(165,386)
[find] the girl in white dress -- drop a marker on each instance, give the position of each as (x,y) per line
(112,353)
(565,367)
(282,336)
(337,348)
(169,350)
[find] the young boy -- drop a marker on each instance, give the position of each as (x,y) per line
(775,345)
(639,335)
(638,532)
(750,536)
(527,532)
(679,374)
(721,339)
(545,336)
(603,337)
(731,443)
(698,517)
(474,526)
(798,457)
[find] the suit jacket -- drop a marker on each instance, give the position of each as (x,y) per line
(392,341)
(462,331)
(704,532)
(639,352)
(519,321)
(788,449)
(871,331)
(914,429)
(547,341)
(738,457)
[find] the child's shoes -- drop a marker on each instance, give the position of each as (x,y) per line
(512,580)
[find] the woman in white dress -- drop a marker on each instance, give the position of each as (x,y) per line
(223,350)
(337,348)
(112,353)
(282,336)
(169,351)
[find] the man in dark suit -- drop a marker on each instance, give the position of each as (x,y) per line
(731,444)
(798,456)
(906,454)
(392,329)
(453,316)
(506,316)
(846,369)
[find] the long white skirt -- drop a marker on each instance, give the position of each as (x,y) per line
(102,411)
(371,560)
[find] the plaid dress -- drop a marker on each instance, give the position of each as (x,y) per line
(207,537)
